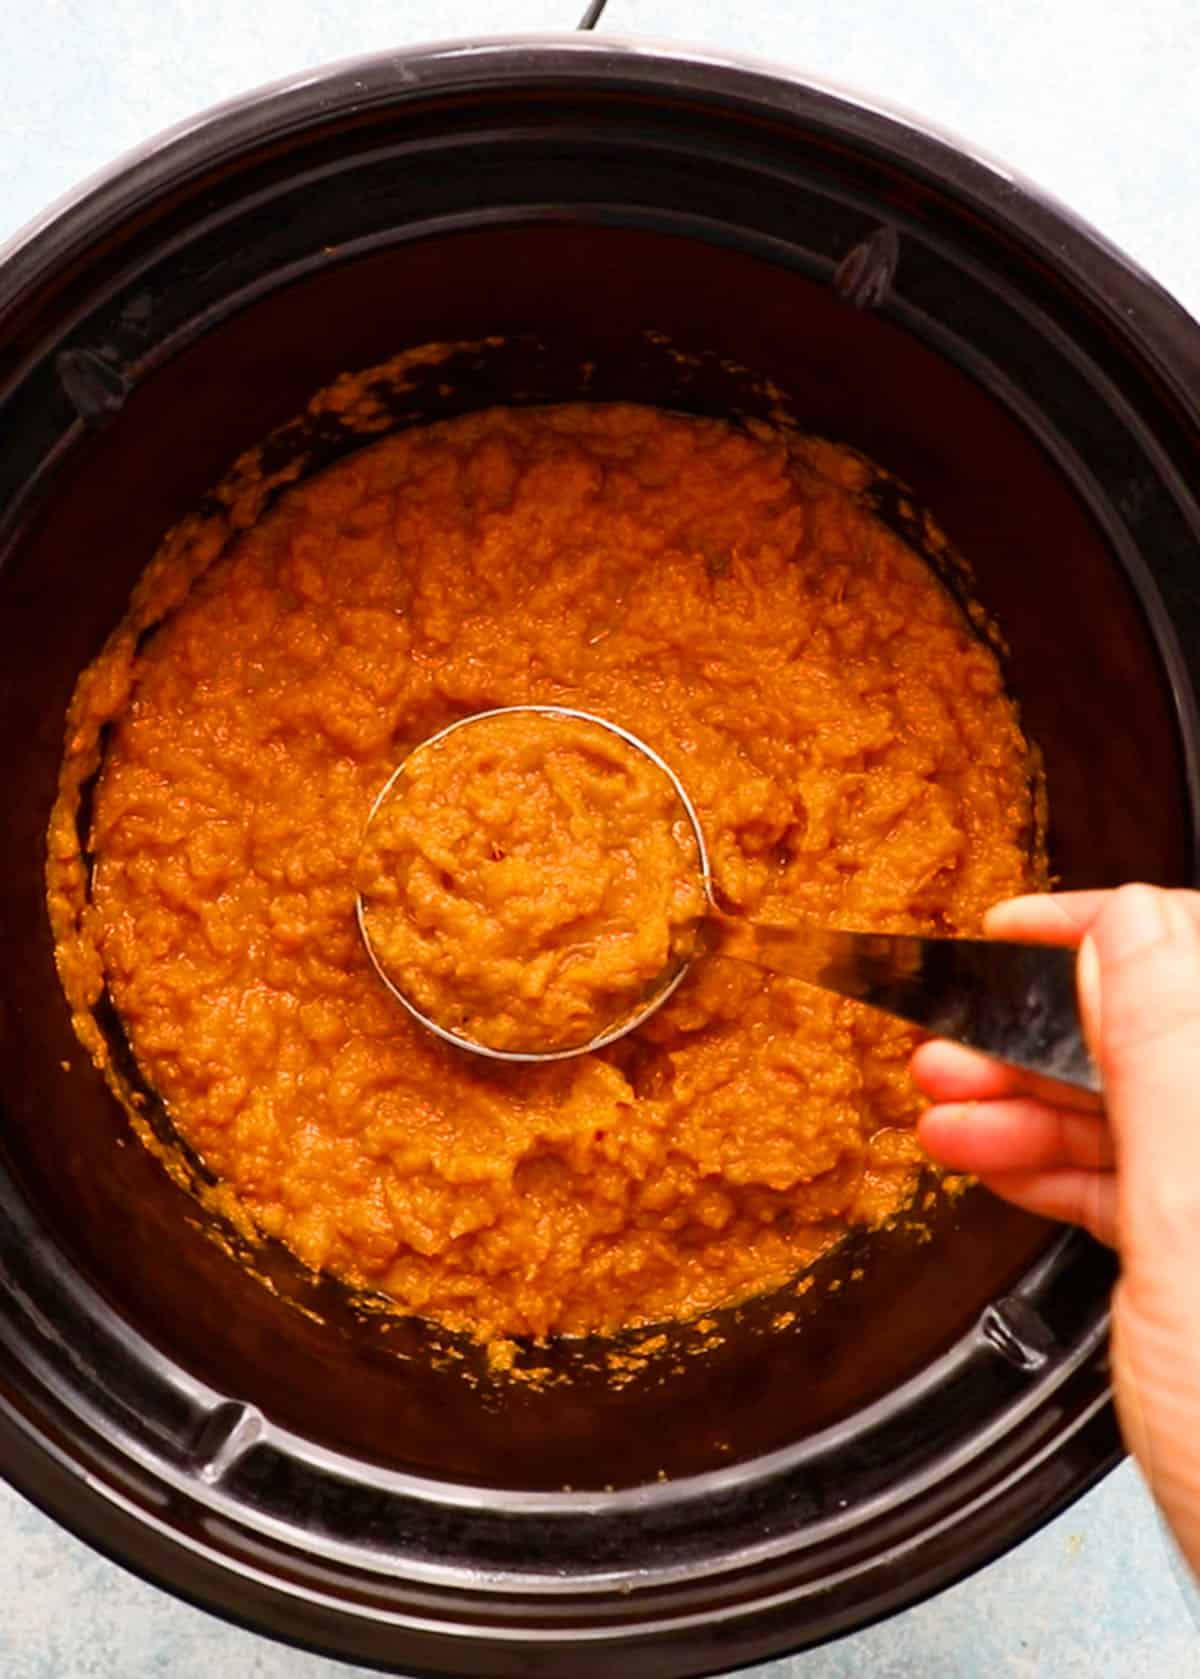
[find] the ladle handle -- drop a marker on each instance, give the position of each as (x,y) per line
(1016,1002)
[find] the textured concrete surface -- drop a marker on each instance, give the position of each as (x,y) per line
(1098,105)
(1098,1594)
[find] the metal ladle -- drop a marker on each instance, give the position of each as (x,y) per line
(1014,1002)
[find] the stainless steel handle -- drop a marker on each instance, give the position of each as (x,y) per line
(1016,1002)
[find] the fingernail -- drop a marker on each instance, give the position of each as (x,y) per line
(1137,917)
(1180,924)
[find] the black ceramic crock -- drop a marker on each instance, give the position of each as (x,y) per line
(331,1482)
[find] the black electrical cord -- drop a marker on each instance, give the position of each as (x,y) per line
(591,17)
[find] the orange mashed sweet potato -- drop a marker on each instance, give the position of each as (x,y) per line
(844,735)
(528,880)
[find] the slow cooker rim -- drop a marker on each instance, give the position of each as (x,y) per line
(170,158)
(274,109)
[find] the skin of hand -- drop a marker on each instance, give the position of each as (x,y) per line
(1127,1170)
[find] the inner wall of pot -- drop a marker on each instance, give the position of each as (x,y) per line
(657,319)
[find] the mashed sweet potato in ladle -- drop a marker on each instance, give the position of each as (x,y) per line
(529,880)
(844,735)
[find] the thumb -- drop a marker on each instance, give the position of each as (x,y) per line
(1140,979)
(1140,993)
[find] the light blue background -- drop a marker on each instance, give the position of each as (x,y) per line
(1099,104)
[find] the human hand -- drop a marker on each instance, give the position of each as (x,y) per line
(1128,1171)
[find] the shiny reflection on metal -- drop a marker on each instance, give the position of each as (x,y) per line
(95,387)
(670,980)
(865,274)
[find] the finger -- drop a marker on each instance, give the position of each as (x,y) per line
(1073,1195)
(1046,917)
(952,1073)
(949,1072)
(1063,918)
(1147,954)
(1014,1136)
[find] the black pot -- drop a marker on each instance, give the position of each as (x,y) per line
(331,1483)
